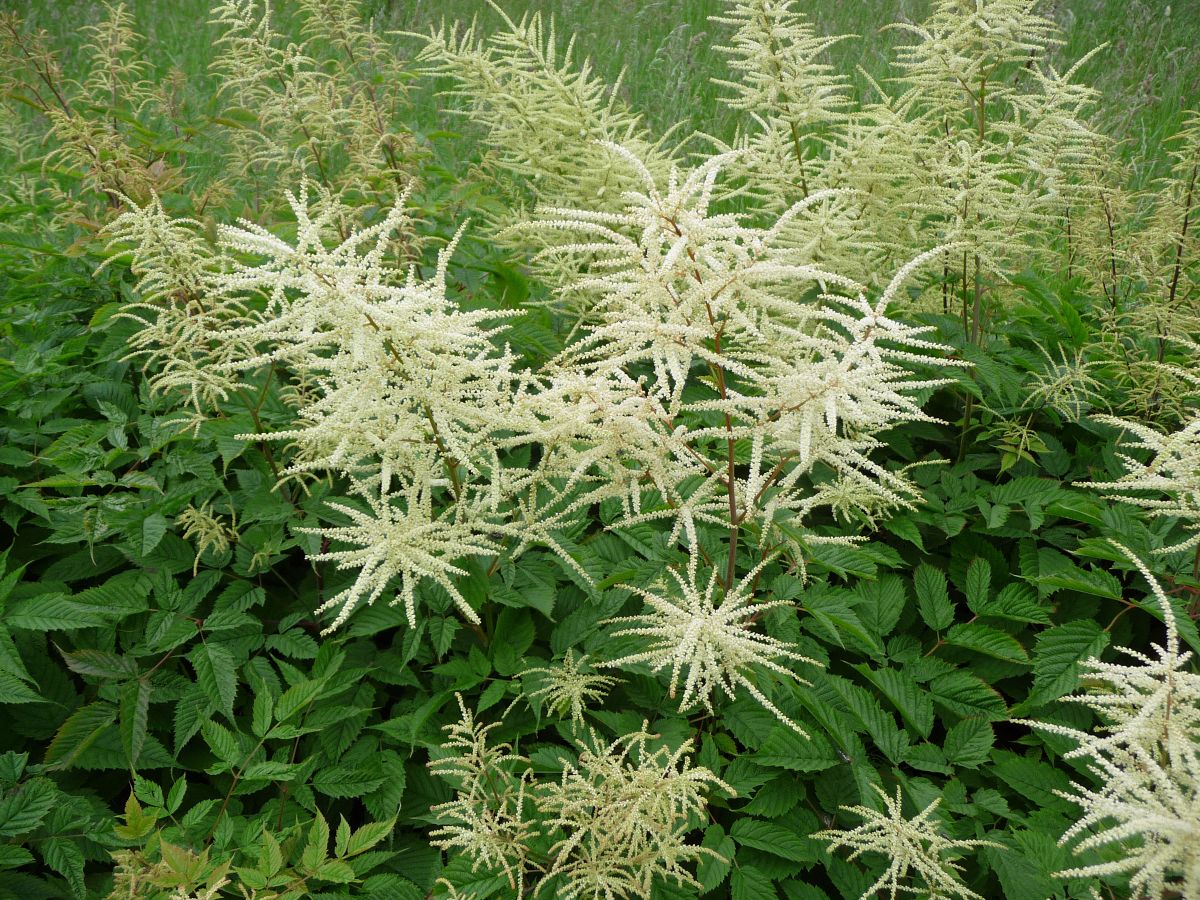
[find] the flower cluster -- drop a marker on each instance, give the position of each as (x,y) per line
(616,819)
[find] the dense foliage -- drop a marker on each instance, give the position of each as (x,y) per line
(563,509)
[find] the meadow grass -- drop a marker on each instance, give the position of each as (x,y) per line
(1148,74)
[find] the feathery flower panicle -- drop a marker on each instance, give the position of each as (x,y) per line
(409,541)
(794,105)
(1066,385)
(622,812)
(774,51)
(543,113)
(320,107)
(210,532)
(468,760)
(918,854)
(186,321)
(800,363)
(982,143)
(705,637)
(1173,469)
(405,378)
(567,688)
(487,819)
(616,820)
(1145,758)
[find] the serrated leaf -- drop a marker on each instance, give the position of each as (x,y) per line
(880,603)
(987,641)
(12,857)
(978,583)
(222,742)
(1032,779)
(316,847)
(150,532)
(296,698)
(64,857)
(13,690)
(100,664)
(261,716)
(367,837)
(711,871)
(341,838)
(1016,602)
(770,837)
(441,633)
(216,674)
(270,857)
(880,725)
(1056,657)
(1019,876)
(1096,582)
(336,871)
(914,704)
(967,695)
(191,711)
(78,732)
(749,883)
(969,742)
(134,717)
(784,749)
(51,612)
(23,809)
(346,781)
(933,597)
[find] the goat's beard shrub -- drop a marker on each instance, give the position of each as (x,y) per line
(687,412)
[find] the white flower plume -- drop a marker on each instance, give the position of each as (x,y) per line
(706,638)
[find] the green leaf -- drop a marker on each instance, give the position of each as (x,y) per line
(270,857)
(749,883)
(51,612)
(770,837)
(346,781)
(134,717)
(710,871)
(1020,876)
(261,716)
(914,705)
(296,698)
(967,695)
(1016,602)
(78,733)
(1056,657)
(441,633)
(335,871)
(100,664)
(880,725)
(785,749)
(316,847)
(1032,779)
(880,603)
(64,857)
(13,690)
(25,808)
(1096,582)
(933,597)
(216,674)
(969,742)
(222,743)
(12,857)
(978,584)
(987,641)
(367,837)
(153,527)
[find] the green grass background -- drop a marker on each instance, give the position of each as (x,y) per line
(1149,74)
